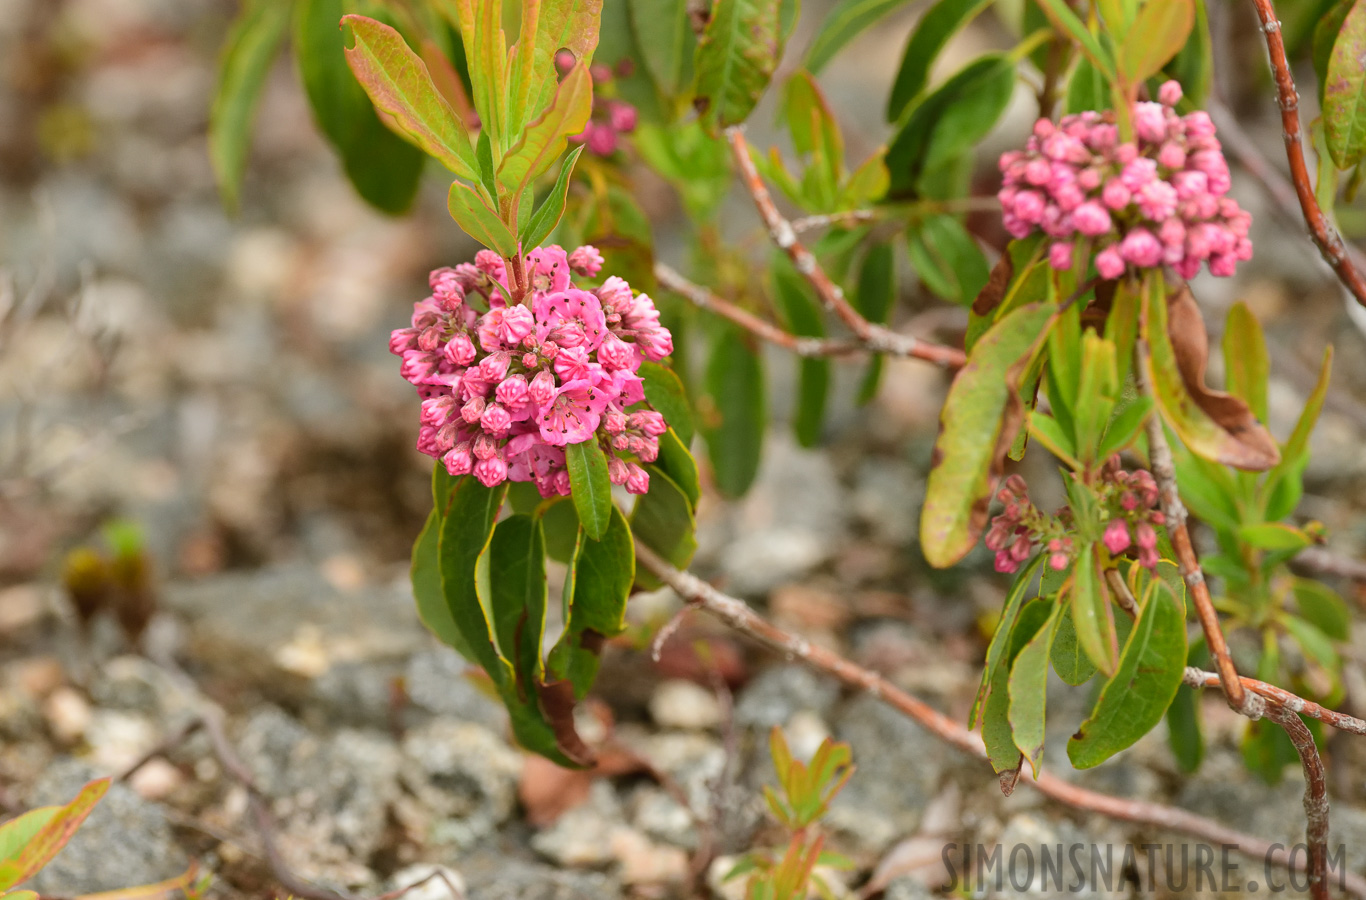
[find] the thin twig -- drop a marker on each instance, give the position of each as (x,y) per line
(1315,798)
(702,298)
(1275,696)
(1120,589)
(852,217)
(1326,236)
(739,616)
(1325,562)
(1164,473)
(875,337)
(172,741)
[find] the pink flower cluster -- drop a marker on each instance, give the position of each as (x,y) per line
(1158,200)
(504,390)
(611,118)
(1129,499)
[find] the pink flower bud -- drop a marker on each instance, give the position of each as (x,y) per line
(491,472)
(1058,561)
(459,460)
(543,388)
(1115,195)
(1060,256)
(1092,219)
(648,421)
(1147,558)
(1223,265)
(1138,174)
(1020,550)
(1038,172)
(1004,563)
(1116,538)
(1144,536)
(472,410)
(461,350)
(494,367)
(622,117)
(638,481)
(1141,248)
(512,391)
(1172,155)
(1156,200)
(586,260)
(615,295)
(1109,263)
(1029,207)
(617,472)
(1169,94)
(496,420)
(1150,122)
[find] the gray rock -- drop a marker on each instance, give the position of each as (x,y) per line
(436,682)
(900,767)
(464,778)
(277,629)
(517,880)
(1226,791)
(781,691)
(907,889)
(887,498)
(582,837)
(790,522)
(332,794)
(1025,842)
(425,881)
(359,694)
(125,842)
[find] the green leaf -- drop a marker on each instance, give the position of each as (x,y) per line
(1029,690)
(1092,616)
(735,59)
(1144,685)
(1283,486)
(465,532)
(1124,428)
(517,595)
(949,122)
(560,524)
(1183,730)
(595,592)
(382,167)
(1344,95)
(803,317)
(939,23)
(547,216)
(31,841)
(1208,489)
(996,727)
(1066,22)
(398,82)
(1157,33)
(1087,89)
(1273,536)
(842,24)
(571,25)
(480,222)
(591,486)
(542,142)
(816,138)
(874,299)
(1247,366)
(948,259)
(243,65)
(1325,36)
(426,577)
(977,426)
(663,27)
(1000,640)
(663,521)
(1321,606)
(664,391)
(677,462)
(1316,645)
(1069,659)
(735,411)
(1193,66)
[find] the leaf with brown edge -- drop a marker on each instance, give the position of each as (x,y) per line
(31,841)
(976,429)
(1213,424)
(556,701)
(991,296)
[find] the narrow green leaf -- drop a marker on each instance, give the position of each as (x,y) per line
(875,299)
(398,82)
(1344,94)
(677,462)
(571,25)
(1316,645)
(949,122)
(31,841)
(483,155)
(1193,66)
(816,138)
(1274,536)
(1183,729)
(545,138)
(595,592)
(939,23)
(1092,616)
(841,25)
(426,577)
(1028,687)
(243,65)
(465,533)
(663,521)
(1247,366)
(948,259)
(1208,489)
(518,590)
(560,524)
(1066,22)
(1143,686)
(1069,658)
(736,411)
(735,59)
(996,728)
(1000,640)
(663,26)
(977,426)
(1321,606)
(1283,486)
(1157,33)
(803,317)
(664,391)
(1087,89)
(548,214)
(1124,428)
(591,486)
(480,222)
(1325,36)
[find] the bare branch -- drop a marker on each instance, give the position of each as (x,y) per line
(1315,798)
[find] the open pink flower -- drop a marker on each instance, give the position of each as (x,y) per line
(574,414)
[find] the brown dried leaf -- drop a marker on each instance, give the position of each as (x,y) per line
(556,700)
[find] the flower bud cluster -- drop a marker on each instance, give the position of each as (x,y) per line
(610,118)
(504,390)
(1157,200)
(1128,500)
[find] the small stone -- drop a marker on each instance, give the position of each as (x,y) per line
(582,837)
(68,714)
(655,812)
(20,607)
(643,861)
(39,676)
(426,881)
(156,780)
(724,888)
(781,691)
(463,772)
(436,682)
(513,879)
(681,704)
